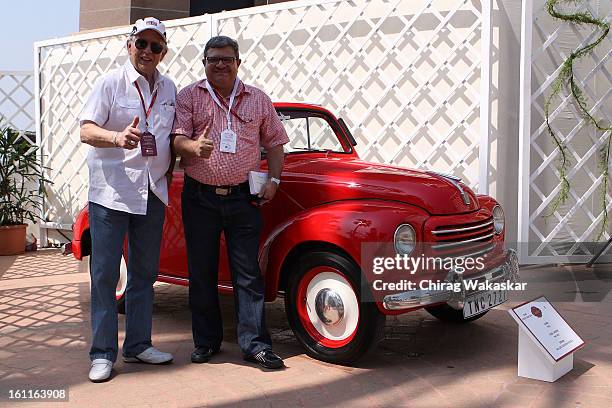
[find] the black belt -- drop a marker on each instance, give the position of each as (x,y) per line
(218,190)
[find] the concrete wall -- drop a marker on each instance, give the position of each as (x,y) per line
(99,14)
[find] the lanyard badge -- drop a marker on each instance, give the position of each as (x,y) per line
(148,147)
(228,138)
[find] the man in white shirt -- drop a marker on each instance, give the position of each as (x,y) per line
(127,120)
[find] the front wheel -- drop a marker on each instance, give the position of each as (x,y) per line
(323,307)
(121,284)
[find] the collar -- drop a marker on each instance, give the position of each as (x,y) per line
(242,88)
(133,75)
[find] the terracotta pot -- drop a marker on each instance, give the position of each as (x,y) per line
(12,239)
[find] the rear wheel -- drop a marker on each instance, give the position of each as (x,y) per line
(121,284)
(324,310)
(448,314)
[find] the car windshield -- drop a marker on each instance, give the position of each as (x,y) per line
(309,132)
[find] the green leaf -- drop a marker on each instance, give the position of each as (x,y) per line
(565,80)
(21,178)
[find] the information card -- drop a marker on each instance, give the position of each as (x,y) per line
(548,327)
(256,180)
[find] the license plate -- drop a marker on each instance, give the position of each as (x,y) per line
(483,301)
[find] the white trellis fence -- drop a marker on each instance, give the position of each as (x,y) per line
(412,78)
(17,102)
(563,236)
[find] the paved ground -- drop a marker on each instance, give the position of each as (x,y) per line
(44,334)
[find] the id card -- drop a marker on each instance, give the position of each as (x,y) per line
(147,145)
(228,141)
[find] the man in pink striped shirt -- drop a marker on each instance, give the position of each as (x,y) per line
(219,127)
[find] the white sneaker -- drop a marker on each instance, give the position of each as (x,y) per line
(100,370)
(150,356)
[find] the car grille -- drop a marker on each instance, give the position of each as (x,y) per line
(467,239)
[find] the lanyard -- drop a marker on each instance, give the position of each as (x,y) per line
(218,102)
(146,111)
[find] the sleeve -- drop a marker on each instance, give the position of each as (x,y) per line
(272,130)
(97,107)
(183,118)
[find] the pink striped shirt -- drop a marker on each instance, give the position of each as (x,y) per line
(254,120)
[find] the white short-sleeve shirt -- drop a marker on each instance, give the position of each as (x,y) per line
(120,179)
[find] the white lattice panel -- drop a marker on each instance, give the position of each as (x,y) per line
(404,74)
(564,236)
(17,100)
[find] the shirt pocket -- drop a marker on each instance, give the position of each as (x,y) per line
(248,131)
(248,141)
(166,117)
(124,110)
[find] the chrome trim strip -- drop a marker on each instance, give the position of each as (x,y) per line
(473,254)
(445,175)
(455,182)
(463,229)
(161,275)
(450,244)
(415,298)
(464,196)
(492,275)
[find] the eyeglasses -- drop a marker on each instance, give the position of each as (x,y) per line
(141,44)
(216,60)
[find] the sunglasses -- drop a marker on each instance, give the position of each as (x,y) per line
(141,44)
(216,60)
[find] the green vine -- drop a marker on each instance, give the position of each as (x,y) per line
(565,80)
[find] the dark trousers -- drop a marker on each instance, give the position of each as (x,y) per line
(205,215)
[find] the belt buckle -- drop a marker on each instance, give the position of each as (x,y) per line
(222,191)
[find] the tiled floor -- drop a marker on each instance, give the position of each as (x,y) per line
(44,334)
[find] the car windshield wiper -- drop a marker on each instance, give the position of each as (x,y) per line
(305,149)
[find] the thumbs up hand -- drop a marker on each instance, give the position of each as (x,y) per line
(130,136)
(202,146)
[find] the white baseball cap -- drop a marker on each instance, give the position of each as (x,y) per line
(149,23)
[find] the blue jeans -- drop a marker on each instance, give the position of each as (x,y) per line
(205,215)
(108,229)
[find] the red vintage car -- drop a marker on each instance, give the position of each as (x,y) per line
(330,208)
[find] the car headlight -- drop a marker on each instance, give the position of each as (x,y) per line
(498,219)
(404,239)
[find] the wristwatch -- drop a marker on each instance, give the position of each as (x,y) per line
(275,180)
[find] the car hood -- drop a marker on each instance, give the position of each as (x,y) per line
(319,180)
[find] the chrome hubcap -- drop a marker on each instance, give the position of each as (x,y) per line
(329,307)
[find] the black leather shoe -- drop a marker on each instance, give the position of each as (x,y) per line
(202,354)
(266,359)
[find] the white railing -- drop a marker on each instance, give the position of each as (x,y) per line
(563,236)
(412,79)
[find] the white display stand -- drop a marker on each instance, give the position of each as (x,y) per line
(546,343)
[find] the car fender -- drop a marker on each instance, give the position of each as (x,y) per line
(344,224)
(81,244)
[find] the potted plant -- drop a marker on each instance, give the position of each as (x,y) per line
(21,188)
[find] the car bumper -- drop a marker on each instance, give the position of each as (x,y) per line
(507,271)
